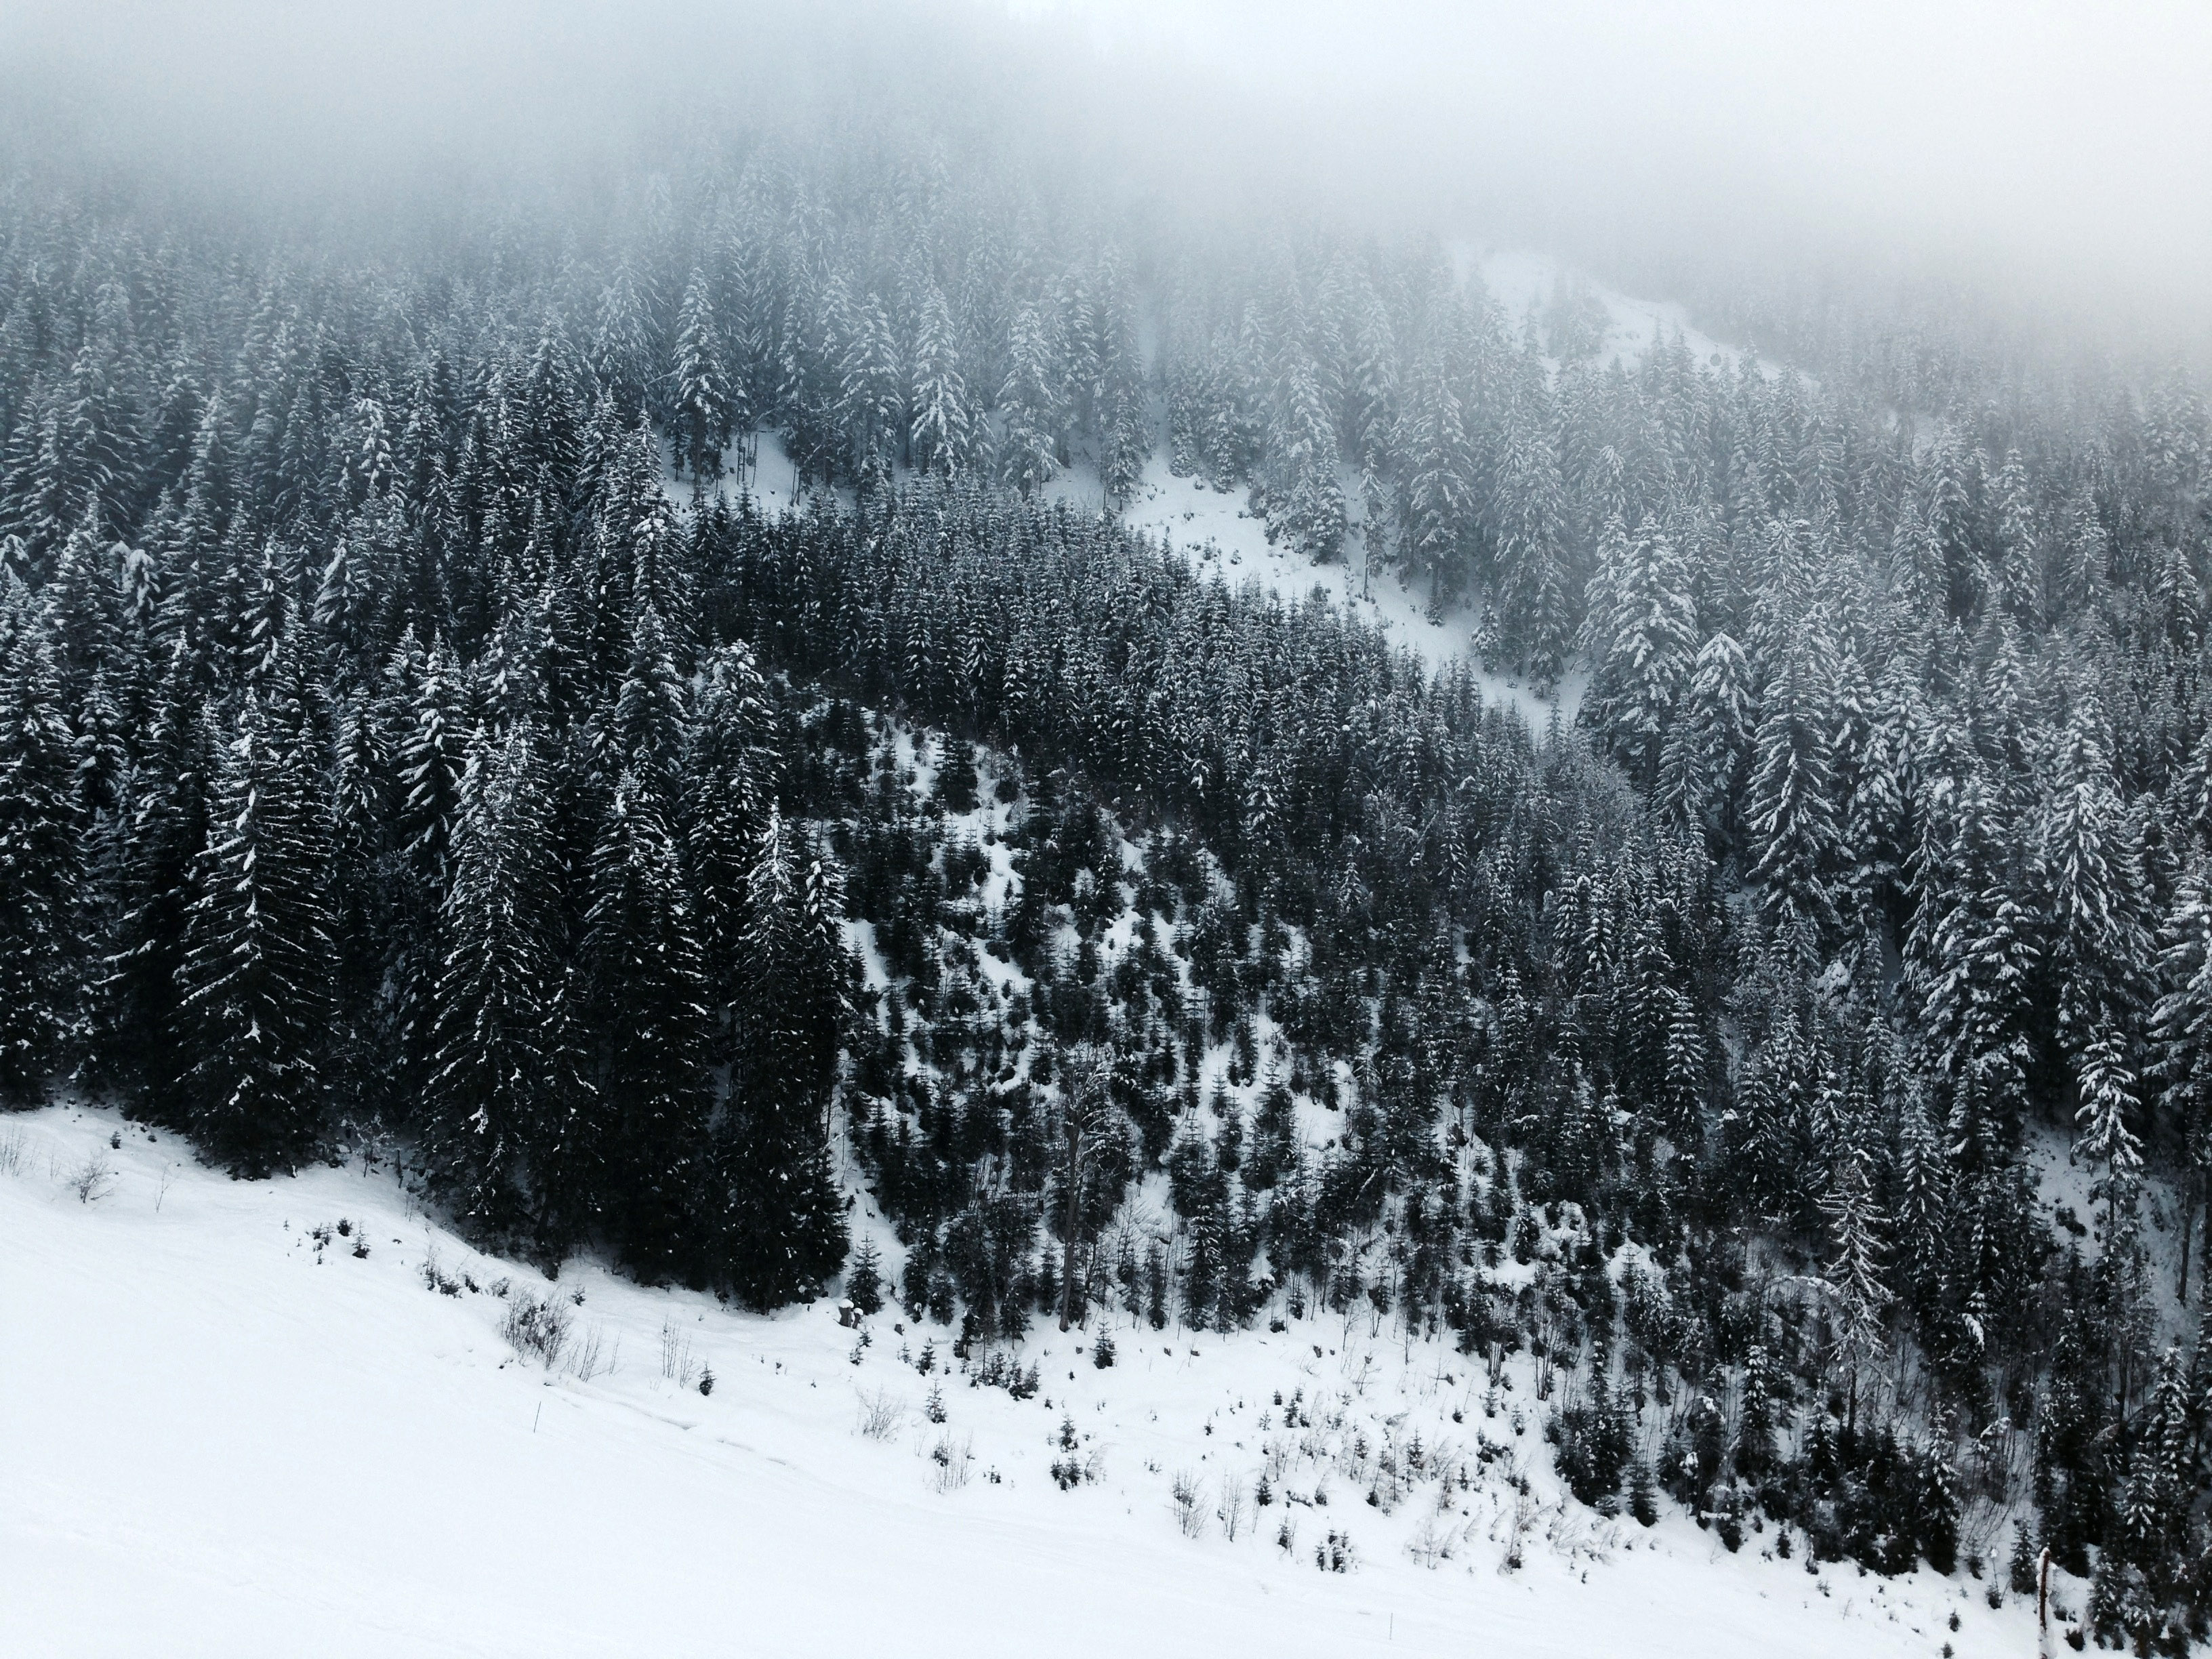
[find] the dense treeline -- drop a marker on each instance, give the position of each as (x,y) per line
(385,750)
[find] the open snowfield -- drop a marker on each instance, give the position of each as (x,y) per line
(222,1431)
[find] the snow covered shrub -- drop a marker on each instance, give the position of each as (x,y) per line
(1102,1352)
(535,1329)
(1231,1511)
(434,1276)
(11,1151)
(590,1357)
(953,1458)
(91,1180)
(1428,1546)
(677,1362)
(880,1415)
(1185,1492)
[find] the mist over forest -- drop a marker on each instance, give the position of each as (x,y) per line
(1045,671)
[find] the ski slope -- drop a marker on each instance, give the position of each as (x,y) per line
(224,1433)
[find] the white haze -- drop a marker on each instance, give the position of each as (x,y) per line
(2057,154)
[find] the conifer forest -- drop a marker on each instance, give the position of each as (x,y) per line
(653,718)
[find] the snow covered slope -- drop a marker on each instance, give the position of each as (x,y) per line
(223,1430)
(1220,534)
(1521,281)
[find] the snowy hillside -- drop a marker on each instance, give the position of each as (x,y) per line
(1220,534)
(242,1420)
(1521,281)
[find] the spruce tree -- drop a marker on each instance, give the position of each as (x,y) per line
(1704,753)
(1030,405)
(1790,807)
(40,860)
(702,398)
(254,983)
(785,1228)
(940,436)
(647,1026)
(727,775)
(502,1062)
(1536,615)
(1973,957)
(1643,630)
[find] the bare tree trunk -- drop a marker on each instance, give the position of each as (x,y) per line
(2190,1193)
(1072,1221)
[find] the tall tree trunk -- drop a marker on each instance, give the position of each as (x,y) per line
(1073,1218)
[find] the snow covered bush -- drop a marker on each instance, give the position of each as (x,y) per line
(536,1328)
(880,1414)
(91,1180)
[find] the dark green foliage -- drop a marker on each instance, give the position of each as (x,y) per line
(41,858)
(647,994)
(253,1015)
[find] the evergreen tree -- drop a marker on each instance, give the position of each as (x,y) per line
(1535,617)
(254,982)
(504,1070)
(1305,494)
(785,1231)
(648,1025)
(1642,626)
(1029,404)
(1703,758)
(41,858)
(705,405)
(2099,941)
(728,773)
(940,435)
(1790,805)
(2107,1091)
(1974,961)
(1854,1271)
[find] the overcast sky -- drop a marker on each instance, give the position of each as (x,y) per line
(2071,140)
(2064,148)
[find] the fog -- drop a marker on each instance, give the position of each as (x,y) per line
(2069,147)
(2057,155)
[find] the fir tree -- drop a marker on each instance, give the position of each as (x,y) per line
(40,860)
(1643,629)
(940,435)
(1790,806)
(784,1235)
(1030,405)
(255,979)
(704,404)
(648,1025)
(503,1058)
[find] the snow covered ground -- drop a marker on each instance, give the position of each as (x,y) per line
(225,1428)
(1521,281)
(1219,532)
